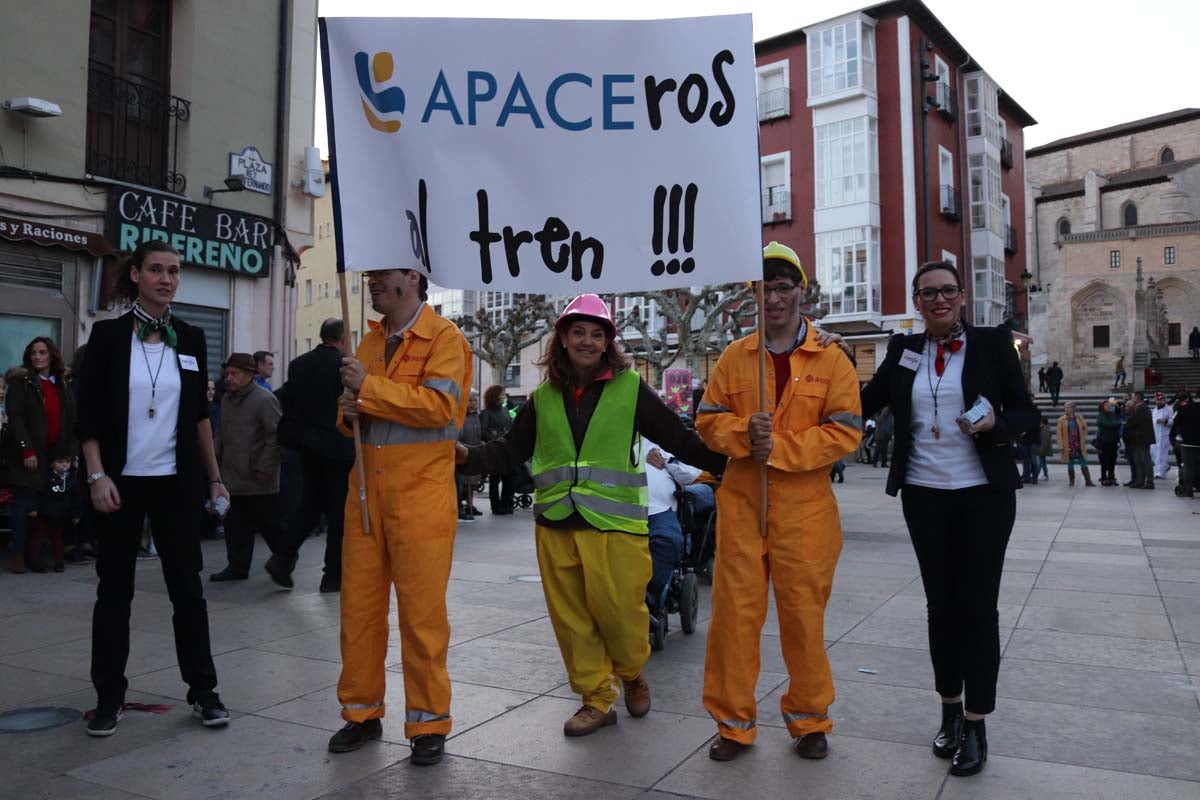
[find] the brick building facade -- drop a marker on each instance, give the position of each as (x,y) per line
(885,144)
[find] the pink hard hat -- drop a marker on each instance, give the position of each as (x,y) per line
(591,308)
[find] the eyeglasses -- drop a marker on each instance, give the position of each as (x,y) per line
(781,289)
(930,293)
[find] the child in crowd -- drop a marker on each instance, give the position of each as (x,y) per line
(59,505)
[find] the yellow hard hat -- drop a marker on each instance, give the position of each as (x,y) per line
(785,253)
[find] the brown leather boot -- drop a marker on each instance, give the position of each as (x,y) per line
(1071,477)
(17,563)
(1087,477)
(637,696)
(589,720)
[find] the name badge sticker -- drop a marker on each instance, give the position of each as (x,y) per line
(910,360)
(188,363)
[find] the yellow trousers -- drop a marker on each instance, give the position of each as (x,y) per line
(595,585)
(410,548)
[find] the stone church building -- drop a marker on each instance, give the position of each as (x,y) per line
(1114,225)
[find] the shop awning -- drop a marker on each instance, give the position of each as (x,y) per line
(18,229)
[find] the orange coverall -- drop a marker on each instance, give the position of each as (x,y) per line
(818,421)
(410,411)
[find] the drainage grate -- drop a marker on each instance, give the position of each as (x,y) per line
(26,720)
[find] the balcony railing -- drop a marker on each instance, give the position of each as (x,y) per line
(776,205)
(1139,232)
(946,100)
(774,104)
(1010,239)
(1006,153)
(949,202)
(133,132)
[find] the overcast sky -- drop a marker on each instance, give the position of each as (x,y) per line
(1075,66)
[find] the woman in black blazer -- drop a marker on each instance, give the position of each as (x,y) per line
(147,442)
(958,485)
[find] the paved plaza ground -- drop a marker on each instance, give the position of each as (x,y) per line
(1100,622)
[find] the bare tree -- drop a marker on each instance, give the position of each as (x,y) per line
(498,341)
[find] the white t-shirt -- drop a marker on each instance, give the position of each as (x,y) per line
(948,462)
(150,449)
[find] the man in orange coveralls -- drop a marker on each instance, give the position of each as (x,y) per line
(812,419)
(408,388)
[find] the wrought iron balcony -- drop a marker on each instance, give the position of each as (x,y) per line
(950,202)
(776,205)
(1010,239)
(1006,153)
(947,102)
(133,132)
(774,104)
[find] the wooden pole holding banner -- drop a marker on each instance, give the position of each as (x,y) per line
(760,297)
(358,449)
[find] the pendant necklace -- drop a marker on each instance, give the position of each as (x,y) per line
(153,378)
(937,432)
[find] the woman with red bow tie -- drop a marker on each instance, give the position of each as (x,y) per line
(959,399)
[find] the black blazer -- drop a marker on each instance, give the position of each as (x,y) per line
(991,369)
(309,400)
(104,396)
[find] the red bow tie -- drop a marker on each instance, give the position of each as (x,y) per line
(940,362)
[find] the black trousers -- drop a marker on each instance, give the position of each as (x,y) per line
(1108,461)
(500,492)
(250,514)
(175,517)
(326,483)
(883,441)
(1054,390)
(960,538)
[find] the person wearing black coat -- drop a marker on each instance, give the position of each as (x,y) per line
(41,428)
(957,482)
(309,425)
(148,447)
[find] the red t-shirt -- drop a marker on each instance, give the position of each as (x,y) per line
(783,373)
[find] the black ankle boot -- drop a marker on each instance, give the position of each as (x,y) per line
(946,741)
(972,749)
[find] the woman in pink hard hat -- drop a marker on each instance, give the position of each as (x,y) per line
(580,428)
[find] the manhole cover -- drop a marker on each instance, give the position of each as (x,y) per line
(528,578)
(24,720)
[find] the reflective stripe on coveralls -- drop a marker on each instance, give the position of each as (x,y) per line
(413,410)
(814,424)
(599,480)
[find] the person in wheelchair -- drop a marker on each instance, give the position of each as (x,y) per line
(664,473)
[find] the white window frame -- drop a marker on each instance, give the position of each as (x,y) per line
(830,188)
(825,73)
(771,202)
(987,290)
(863,291)
(780,110)
(985,209)
(945,176)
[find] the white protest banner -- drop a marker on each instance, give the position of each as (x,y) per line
(542,156)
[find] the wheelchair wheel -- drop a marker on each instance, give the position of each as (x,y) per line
(689,603)
(658,632)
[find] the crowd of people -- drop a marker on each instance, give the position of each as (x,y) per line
(136,445)
(1151,437)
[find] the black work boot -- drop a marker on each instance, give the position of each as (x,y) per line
(355,735)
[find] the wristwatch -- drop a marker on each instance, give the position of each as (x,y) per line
(94,476)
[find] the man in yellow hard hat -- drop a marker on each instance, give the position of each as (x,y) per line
(812,419)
